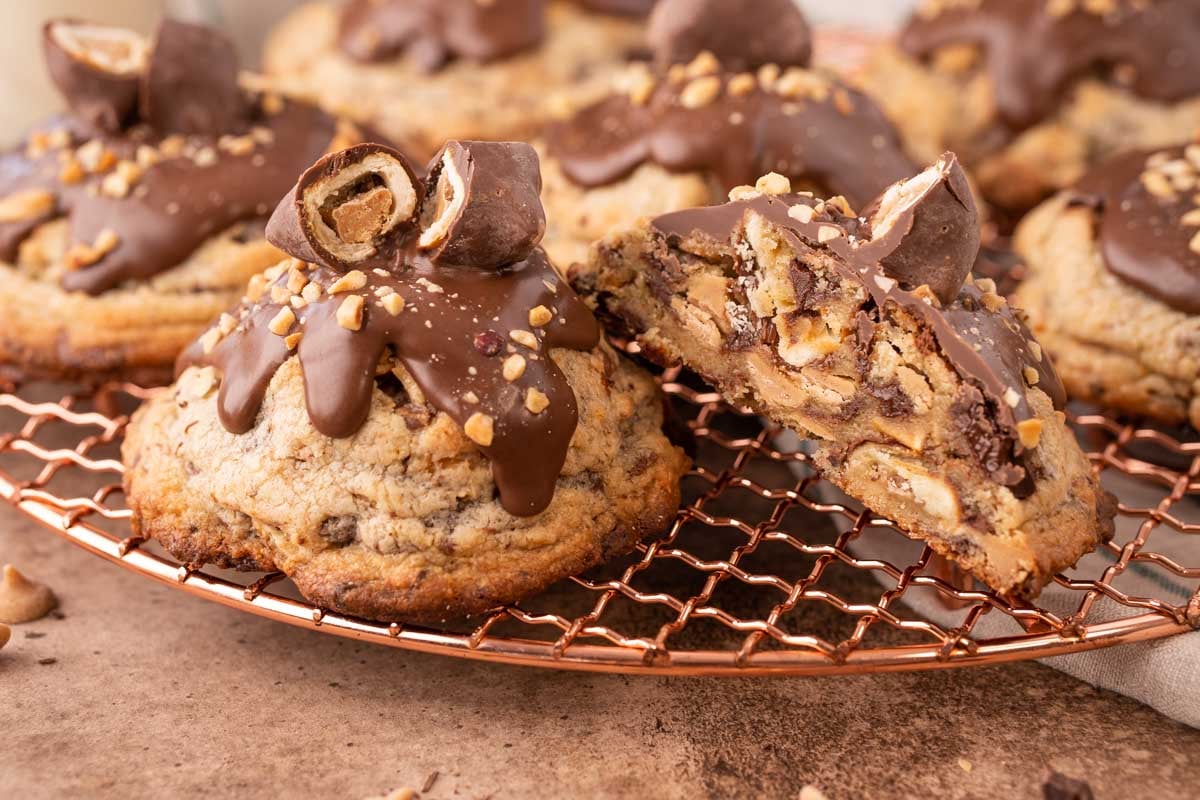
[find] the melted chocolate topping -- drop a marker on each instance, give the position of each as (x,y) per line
(141,199)
(1145,235)
(989,349)
(742,36)
(1033,53)
(175,204)
(475,339)
(453,338)
(628,8)
(434,32)
(822,132)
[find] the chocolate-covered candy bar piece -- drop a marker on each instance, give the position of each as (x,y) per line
(190,84)
(349,208)
(97,69)
(931,226)
(483,206)
(743,36)
(432,32)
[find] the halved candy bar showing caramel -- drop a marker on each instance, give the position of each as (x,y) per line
(350,208)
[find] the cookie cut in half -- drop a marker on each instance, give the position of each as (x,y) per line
(925,395)
(729,95)
(1033,93)
(1113,283)
(130,222)
(414,417)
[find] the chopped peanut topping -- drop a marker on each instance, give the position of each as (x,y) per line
(282,322)
(30,204)
(514,367)
(480,429)
(773,183)
(352,280)
(539,316)
(1029,432)
(524,338)
(350,312)
(392,303)
(536,401)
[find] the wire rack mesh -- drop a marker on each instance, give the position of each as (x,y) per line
(764,569)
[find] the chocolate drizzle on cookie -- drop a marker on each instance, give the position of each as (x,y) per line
(143,190)
(476,337)
(977,332)
(699,117)
(730,94)
(1148,228)
(434,32)
(1034,49)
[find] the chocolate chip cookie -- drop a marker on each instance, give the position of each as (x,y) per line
(926,396)
(424,71)
(1031,93)
(414,417)
(728,97)
(1113,283)
(130,222)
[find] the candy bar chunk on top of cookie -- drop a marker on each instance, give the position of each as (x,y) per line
(925,393)
(162,149)
(447,273)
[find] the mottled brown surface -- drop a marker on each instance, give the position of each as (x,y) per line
(154,694)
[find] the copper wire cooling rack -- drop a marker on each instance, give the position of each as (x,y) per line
(759,573)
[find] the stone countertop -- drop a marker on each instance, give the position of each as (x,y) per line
(138,690)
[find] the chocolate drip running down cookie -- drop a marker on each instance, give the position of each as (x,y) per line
(1149,221)
(145,179)
(1034,49)
(450,278)
(752,108)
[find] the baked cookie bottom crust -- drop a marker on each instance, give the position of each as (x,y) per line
(130,333)
(400,521)
(509,99)
(885,423)
(1112,343)
(937,109)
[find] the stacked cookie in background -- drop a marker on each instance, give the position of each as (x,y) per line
(413,414)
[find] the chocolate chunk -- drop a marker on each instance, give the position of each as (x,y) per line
(97,69)
(190,84)
(929,228)
(483,206)
(743,36)
(349,209)
(1061,787)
